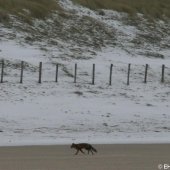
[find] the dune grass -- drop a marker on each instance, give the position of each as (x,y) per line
(41,8)
(153,8)
(33,8)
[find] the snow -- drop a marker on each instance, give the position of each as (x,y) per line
(65,112)
(10,50)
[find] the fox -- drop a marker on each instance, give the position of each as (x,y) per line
(86,146)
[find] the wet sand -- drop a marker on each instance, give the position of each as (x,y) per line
(109,157)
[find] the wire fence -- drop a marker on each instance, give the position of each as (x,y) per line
(23,66)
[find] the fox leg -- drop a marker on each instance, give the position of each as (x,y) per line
(82,151)
(91,151)
(77,152)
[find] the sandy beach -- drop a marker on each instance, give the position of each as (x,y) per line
(109,157)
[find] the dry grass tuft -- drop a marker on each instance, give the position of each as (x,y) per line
(34,8)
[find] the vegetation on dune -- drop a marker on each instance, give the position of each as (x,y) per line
(27,8)
(153,8)
(84,34)
(41,8)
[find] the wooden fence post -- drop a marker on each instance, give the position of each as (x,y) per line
(75,73)
(93,74)
(110,78)
(163,72)
(22,68)
(128,76)
(146,73)
(2,70)
(40,72)
(56,75)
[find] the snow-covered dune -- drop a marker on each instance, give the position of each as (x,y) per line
(66,112)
